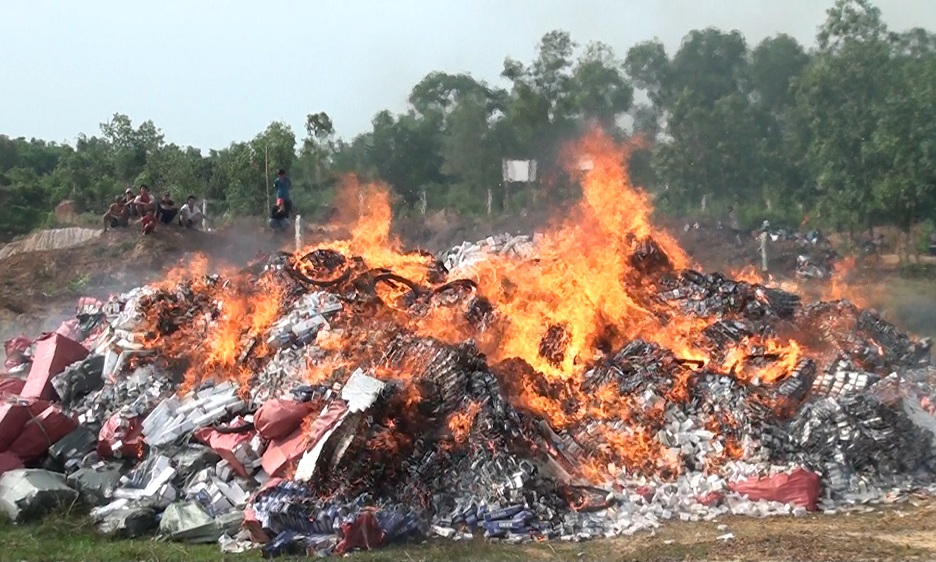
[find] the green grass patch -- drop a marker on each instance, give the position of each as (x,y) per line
(882,535)
(64,539)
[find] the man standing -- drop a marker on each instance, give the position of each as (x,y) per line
(283,185)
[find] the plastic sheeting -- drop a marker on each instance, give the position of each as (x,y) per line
(27,493)
(15,412)
(70,329)
(8,462)
(233,447)
(278,418)
(188,522)
(121,436)
(280,453)
(53,353)
(41,432)
(96,484)
(362,533)
(129,522)
(799,487)
(11,385)
(15,350)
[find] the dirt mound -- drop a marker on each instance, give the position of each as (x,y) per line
(38,287)
(44,240)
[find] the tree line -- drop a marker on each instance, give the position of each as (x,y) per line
(844,133)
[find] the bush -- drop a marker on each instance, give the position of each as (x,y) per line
(924,230)
(465,200)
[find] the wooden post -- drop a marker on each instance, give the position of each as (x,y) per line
(490,201)
(763,251)
(298,232)
(266,173)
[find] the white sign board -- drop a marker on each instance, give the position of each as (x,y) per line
(522,171)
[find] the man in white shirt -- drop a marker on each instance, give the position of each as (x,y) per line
(190,216)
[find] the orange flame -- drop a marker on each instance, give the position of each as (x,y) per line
(460,423)
(591,289)
(839,286)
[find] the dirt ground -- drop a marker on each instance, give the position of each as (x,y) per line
(897,532)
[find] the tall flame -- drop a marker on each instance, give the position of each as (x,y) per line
(590,290)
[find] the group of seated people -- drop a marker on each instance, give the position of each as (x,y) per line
(144,210)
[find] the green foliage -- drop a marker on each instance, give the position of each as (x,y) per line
(844,133)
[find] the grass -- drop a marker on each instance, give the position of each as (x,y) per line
(892,533)
(79,283)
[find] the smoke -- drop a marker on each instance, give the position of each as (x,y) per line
(232,247)
(914,313)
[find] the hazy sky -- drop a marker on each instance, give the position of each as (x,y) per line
(209,72)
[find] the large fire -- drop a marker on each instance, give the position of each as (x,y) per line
(589,291)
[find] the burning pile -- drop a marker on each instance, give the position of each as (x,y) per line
(581,383)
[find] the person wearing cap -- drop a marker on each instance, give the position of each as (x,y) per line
(282,184)
(128,199)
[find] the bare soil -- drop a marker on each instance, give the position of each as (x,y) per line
(900,532)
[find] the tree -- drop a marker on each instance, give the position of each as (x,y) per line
(276,145)
(714,134)
(710,65)
(470,152)
(404,152)
(775,63)
(318,145)
(130,147)
(904,141)
(538,109)
(23,202)
(599,89)
(846,130)
(649,67)
(838,98)
(436,94)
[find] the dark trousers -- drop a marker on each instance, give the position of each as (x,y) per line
(165,216)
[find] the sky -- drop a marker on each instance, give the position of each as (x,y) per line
(209,72)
